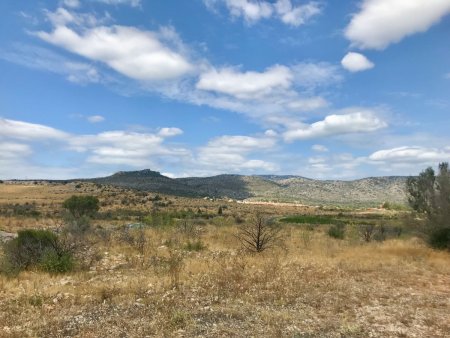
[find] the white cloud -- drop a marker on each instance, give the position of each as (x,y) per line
(137,54)
(230,154)
(62,17)
(250,10)
(169,132)
(359,122)
(380,23)
(271,97)
(319,148)
(296,16)
(277,93)
(271,133)
(280,108)
(12,150)
(28,131)
(332,166)
(310,75)
(71,3)
(95,118)
(246,85)
(123,147)
(412,154)
(356,62)
(42,59)
(132,3)
(255,10)
(81,73)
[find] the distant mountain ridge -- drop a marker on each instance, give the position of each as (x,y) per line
(369,191)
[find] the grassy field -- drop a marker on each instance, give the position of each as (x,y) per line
(190,277)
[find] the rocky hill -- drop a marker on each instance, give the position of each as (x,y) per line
(370,191)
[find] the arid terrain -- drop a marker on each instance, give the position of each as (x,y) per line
(371,191)
(160,265)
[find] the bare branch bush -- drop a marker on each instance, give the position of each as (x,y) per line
(260,234)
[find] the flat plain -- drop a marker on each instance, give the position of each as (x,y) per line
(160,265)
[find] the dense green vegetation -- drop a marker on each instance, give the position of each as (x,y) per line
(309,219)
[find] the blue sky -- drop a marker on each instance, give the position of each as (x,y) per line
(322,89)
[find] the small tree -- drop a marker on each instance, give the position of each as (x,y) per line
(81,206)
(429,194)
(259,235)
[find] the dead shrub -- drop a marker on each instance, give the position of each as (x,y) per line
(259,235)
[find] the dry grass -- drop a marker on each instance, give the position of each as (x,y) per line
(331,288)
(314,286)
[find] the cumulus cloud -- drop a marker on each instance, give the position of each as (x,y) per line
(296,15)
(135,53)
(250,10)
(380,23)
(95,118)
(273,96)
(411,154)
(21,141)
(358,122)
(125,148)
(278,92)
(230,154)
(356,62)
(255,10)
(247,84)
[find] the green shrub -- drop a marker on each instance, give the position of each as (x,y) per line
(54,263)
(308,219)
(80,206)
(440,238)
(194,246)
(337,231)
(36,249)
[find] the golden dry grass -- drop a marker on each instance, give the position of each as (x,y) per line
(330,288)
(314,286)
